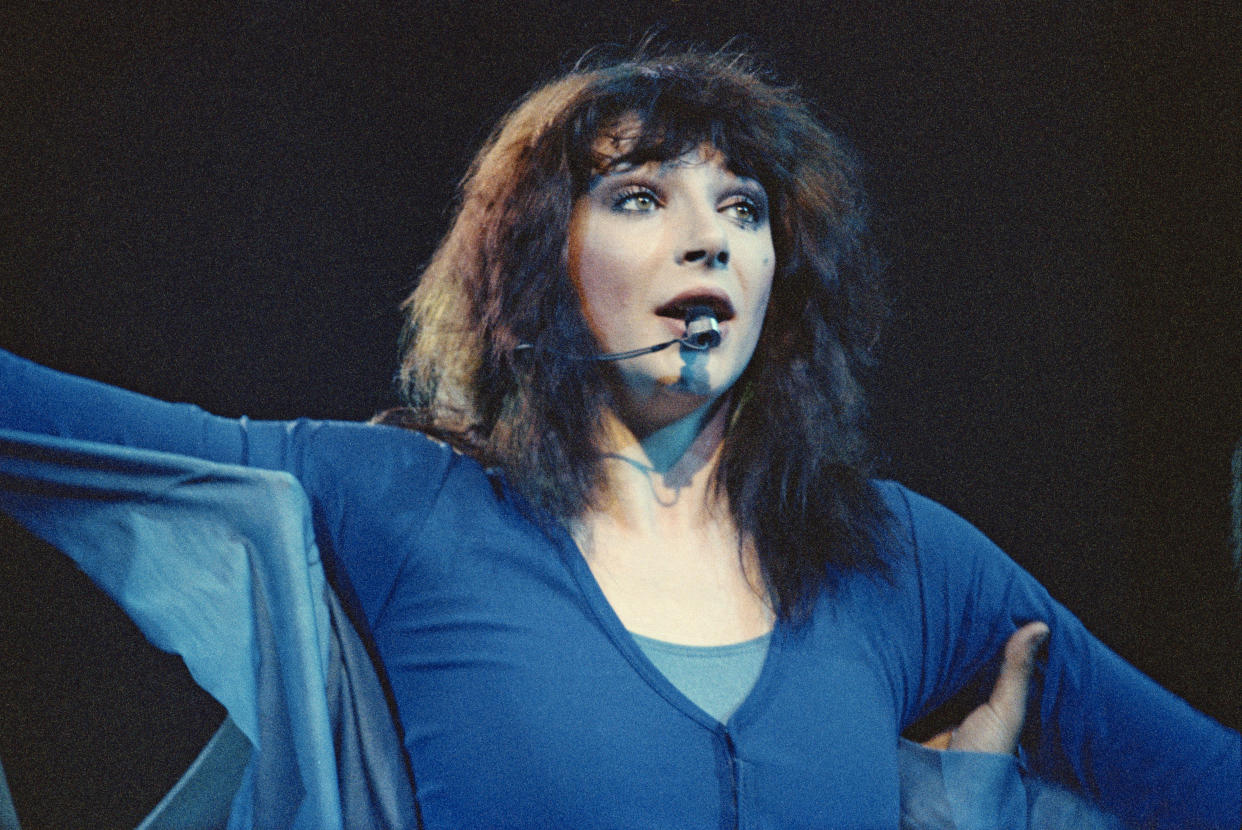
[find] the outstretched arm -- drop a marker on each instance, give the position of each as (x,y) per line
(1098,726)
(42,401)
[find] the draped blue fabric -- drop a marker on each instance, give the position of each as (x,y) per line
(524,701)
(218,563)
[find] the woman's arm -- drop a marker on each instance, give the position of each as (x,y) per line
(358,476)
(969,778)
(39,400)
(219,564)
(1099,726)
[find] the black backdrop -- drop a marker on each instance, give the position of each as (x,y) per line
(225,206)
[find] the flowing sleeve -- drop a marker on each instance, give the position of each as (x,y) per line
(218,563)
(1099,726)
(950,790)
(370,487)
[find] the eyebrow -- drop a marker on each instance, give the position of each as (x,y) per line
(623,166)
(620,168)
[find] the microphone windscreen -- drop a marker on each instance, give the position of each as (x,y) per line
(702,329)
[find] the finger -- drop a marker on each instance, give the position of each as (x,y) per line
(1009,695)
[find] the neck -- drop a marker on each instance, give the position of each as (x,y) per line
(663,545)
(665,471)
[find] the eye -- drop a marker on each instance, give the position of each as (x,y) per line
(745,210)
(636,200)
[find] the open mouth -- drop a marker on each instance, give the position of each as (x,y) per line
(678,307)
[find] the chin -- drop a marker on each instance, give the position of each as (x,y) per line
(695,378)
(666,388)
(690,374)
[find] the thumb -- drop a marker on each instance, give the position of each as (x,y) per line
(1009,695)
(996,725)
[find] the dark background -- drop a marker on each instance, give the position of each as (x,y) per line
(225,205)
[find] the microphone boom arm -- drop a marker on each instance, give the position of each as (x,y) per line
(702,333)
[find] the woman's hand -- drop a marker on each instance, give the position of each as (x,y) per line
(996,725)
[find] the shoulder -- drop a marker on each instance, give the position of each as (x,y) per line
(957,568)
(374,491)
(376,443)
(359,463)
(925,526)
(942,551)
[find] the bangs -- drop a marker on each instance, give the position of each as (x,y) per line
(654,116)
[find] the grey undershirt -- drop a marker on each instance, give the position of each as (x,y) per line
(715,678)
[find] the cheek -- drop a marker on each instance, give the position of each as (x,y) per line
(761,286)
(607,271)
(757,261)
(591,265)
(602,289)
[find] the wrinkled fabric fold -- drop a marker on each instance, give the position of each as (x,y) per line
(983,791)
(218,563)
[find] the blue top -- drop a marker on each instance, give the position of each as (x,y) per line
(716,678)
(526,703)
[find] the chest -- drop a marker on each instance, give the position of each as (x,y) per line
(525,702)
(701,589)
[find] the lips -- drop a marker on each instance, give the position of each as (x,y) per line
(717,301)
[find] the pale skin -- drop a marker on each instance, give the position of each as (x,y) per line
(644,241)
(662,547)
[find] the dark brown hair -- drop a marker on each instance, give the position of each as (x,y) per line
(794,464)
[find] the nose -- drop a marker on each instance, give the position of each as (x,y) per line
(706,242)
(712,258)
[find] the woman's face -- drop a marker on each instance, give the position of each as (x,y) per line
(646,242)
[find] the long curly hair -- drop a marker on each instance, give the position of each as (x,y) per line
(794,463)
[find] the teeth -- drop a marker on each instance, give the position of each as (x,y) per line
(699,307)
(695,311)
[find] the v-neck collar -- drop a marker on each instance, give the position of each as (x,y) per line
(624,642)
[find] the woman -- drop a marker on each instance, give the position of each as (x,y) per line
(662,589)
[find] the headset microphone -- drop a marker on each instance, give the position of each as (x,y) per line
(702,330)
(702,333)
